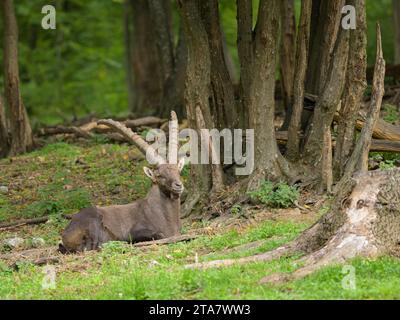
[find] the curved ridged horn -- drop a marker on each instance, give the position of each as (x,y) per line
(151,154)
(173,139)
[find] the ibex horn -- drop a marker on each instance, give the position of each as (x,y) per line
(151,155)
(173,139)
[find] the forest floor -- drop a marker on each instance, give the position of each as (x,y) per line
(62,178)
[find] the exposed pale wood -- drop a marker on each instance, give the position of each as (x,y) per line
(170,240)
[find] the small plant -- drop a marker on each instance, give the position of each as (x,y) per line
(387,165)
(115,247)
(391,113)
(278,195)
(236,209)
(185,171)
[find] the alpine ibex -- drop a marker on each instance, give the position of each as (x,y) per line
(155,217)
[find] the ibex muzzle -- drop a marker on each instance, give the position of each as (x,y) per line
(155,217)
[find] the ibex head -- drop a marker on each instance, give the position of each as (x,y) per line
(167,177)
(167,173)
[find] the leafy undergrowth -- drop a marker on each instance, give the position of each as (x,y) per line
(62,178)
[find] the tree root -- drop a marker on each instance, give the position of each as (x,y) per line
(365,223)
(267,256)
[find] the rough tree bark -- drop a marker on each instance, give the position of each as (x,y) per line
(317,153)
(175,84)
(299,80)
(128,37)
(196,96)
(21,132)
(157,65)
(268,161)
(359,157)
(245,53)
(356,84)
(325,20)
(396,21)
(222,102)
(4,138)
(148,80)
(287,51)
(324,28)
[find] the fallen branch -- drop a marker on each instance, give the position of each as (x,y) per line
(181,238)
(24,222)
(382,130)
(65,130)
(376,144)
(145,122)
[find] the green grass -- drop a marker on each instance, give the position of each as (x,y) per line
(121,271)
(63,178)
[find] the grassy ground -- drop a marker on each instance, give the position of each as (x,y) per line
(62,178)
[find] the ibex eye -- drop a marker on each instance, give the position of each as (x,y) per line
(361,204)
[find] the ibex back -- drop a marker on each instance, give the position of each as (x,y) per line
(155,217)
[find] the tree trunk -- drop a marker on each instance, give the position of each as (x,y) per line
(356,84)
(196,96)
(245,53)
(148,77)
(299,80)
(161,18)
(326,17)
(326,107)
(222,102)
(4,138)
(261,94)
(359,157)
(175,84)
(287,51)
(21,133)
(396,18)
(130,81)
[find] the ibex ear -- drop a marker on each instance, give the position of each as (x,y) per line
(148,172)
(181,164)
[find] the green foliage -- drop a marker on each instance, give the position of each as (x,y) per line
(391,113)
(278,195)
(236,209)
(115,247)
(80,67)
(77,69)
(387,160)
(387,165)
(55,200)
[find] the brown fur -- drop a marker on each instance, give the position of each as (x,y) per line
(155,217)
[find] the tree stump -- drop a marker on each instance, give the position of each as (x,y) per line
(364,220)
